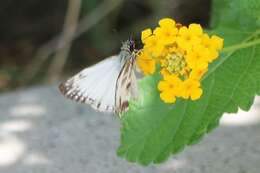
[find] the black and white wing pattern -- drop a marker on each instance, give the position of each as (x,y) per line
(126,86)
(108,85)
(95,85)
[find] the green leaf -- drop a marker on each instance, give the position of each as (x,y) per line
(236,13)
(250,9)
(152,130)
(222,7)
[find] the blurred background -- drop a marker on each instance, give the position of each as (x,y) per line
(45,41)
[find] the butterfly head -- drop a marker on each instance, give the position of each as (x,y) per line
(128,45)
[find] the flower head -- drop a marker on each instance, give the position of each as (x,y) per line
(183,54)
(167,31)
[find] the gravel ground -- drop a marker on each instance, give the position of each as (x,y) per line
(42,132)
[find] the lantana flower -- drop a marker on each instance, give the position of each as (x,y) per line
(169,88)
(183,54)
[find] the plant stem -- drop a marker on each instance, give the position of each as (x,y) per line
(222,60)
(241,46)
(69,29)
(60,41)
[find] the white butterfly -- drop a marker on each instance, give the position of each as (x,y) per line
(108,85)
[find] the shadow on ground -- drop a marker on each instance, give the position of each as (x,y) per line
(42,132)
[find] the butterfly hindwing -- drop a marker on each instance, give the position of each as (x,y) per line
(126,86)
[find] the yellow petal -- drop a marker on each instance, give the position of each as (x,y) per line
(196,94)
(172,79)
(167,97)
(163,86)
(157,31)
(195,29)
(183,91)
(198,72)
(146,33)
(167,22)
(217,42)
(213,54)
(183,30)
(165,72)
(145,63)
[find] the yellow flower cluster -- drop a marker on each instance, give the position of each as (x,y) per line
(183,54)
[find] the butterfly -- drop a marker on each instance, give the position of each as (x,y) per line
(108,85)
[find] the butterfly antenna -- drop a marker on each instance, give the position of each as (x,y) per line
(131,38)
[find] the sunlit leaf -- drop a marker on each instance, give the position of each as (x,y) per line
(152,130)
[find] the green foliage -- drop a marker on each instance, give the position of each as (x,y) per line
(239,13)
(152,130)
(248,8)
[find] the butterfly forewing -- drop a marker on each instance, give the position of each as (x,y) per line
(95,85)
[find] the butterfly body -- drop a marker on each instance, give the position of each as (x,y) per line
(108,85)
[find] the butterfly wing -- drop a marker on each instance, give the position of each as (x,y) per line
(126,86)
(95,85)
